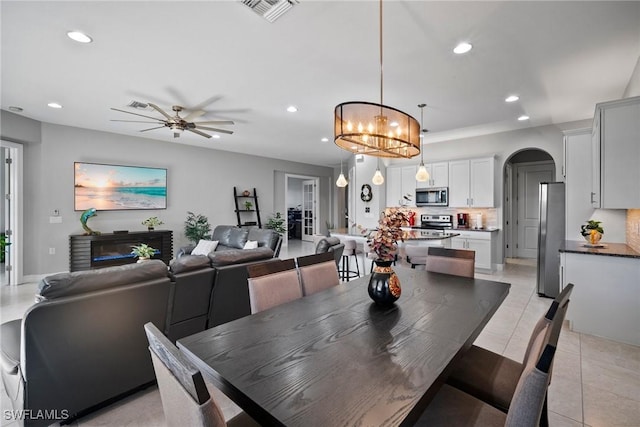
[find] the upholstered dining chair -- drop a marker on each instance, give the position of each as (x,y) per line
(317,272)
(186,401)
(458,262)
(272,284)
(492,377)
(453,407)
(416,254)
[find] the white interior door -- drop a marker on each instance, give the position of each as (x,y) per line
(529,176)
(12,211)
(309,198)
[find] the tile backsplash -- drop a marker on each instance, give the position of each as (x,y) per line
(633,228)
(489,215)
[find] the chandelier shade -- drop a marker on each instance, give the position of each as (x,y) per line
(376,130)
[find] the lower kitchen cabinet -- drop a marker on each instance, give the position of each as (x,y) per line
(606,296)
(482,242)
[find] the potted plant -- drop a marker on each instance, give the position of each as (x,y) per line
(143,251)
(276,223)
(592,231)
(248,205)
(196,227)
(3,246)
(152,222)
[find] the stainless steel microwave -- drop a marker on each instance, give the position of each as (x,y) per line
(436,196)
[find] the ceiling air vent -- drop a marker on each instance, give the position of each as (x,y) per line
(137,104)
(270,9)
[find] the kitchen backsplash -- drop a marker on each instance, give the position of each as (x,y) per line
(633,228)
(489,215)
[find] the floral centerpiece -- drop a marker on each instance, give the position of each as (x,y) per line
(384,285)
(384,240)
(592,231)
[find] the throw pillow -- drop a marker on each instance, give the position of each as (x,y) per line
(251,244)
(204,247)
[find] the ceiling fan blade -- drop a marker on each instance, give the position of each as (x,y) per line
(214,122)
(136,114)
(199,133)
(193,115)
(137,121)
(215,130)
(160,110)
(159,127)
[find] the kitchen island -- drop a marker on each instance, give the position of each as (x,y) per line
(606,298)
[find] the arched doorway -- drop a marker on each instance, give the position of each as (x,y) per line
(523,171)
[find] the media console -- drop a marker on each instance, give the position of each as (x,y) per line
(104,250)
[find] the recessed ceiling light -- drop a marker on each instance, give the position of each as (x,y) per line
(215,136)
(463,47)
(511,98)
(324,139)
(54,105)
(15,109)
(523,117)
(292,108)
(79,37)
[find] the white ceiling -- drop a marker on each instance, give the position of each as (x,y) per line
(560,57)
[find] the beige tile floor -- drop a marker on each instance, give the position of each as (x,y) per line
(596,382)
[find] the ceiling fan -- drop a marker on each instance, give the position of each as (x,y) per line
(179,124)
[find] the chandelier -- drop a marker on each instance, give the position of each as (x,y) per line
(376,129)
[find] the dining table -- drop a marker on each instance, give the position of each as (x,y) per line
(335,358)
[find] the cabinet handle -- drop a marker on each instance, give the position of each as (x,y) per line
(592,194)
(467,201)
(472,202)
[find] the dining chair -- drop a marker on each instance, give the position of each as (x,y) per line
(186,401)
(272,284)
(493,378)
(458,262)
(416,254)
(454,407)
(317,272)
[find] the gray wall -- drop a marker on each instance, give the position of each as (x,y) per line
(199,180)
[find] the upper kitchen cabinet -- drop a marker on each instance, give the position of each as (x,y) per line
(438,175)
(577,179)
(615,148)
(471,183)
(401,181)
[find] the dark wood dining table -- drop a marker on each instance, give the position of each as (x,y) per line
(336,359)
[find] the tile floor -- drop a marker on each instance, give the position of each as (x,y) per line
(595,383)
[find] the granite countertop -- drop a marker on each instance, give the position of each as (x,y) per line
(407,234)
(491,230)
(609,249)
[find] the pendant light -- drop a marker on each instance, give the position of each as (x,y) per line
(341,181)
(376,129)
(422,175)
(378,179)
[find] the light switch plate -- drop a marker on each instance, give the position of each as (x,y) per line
(55,219)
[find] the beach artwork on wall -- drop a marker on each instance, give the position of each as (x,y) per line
(116,187)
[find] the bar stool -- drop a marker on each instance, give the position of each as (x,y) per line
(350,250)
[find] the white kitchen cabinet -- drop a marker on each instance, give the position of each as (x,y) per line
(577,158)
(616,154)
(482,242)
(438,175)
(606,299)
(471,183)
(401,181)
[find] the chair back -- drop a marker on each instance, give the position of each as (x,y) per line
(185,398)
(458,262)
(317,272)
(272,284)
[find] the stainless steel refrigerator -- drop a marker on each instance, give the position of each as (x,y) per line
(550,237)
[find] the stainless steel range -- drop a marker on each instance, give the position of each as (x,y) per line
(435,222)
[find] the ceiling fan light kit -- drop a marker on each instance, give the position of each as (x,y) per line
(376,129)
(176,123)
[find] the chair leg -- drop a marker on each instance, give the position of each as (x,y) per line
(357,265)
(544,417)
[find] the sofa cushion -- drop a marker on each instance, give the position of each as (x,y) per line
(236,256)
(237,237)
(221,234)
(268,238)
(204,247)
(189,263)
(79,282)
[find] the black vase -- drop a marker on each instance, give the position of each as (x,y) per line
(384,285)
